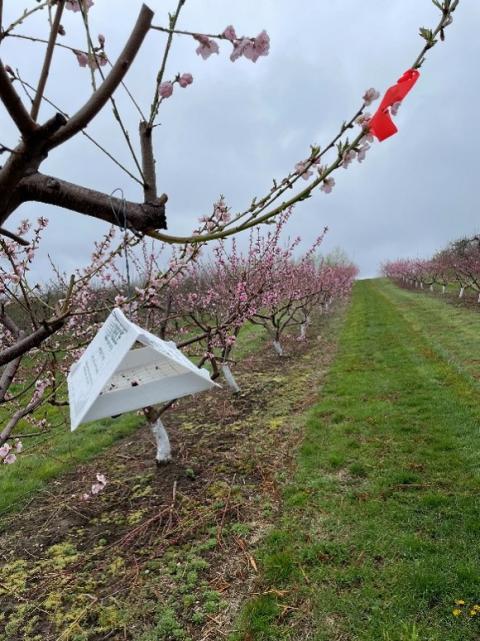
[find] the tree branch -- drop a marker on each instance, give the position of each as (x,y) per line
(19,414)
(27,343)
(7,377)
(48,60)
(148,162)
(100,97)
(53,191)
(12,236)
(15,107)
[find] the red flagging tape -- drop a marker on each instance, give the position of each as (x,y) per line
(381,125)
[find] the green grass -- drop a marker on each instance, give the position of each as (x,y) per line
(380,532)
(57,451)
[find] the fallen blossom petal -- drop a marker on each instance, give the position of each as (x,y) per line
(101,479)
(4,450)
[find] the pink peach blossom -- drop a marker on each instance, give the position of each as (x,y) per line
(165,89)
(370,96)
(207,46)
(229,33)
(185,80)
(327,185)
(74,5)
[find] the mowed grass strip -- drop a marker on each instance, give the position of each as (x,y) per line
(452,331)
(380,533)
(57,451)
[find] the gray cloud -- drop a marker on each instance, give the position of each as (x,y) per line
(239,125)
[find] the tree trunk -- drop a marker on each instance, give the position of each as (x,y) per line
(164,452)
(462,289)
(230,378)
(277,347)
(303,330)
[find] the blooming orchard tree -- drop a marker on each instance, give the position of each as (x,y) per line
(92,292)
(458,263)
(49,324)
(299,288)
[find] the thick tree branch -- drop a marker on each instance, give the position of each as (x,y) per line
(27,343)
(53,191)
(100,97)
(15,107)
(7,377)
(9,323)
(25,160)
(148,162)
(12,236)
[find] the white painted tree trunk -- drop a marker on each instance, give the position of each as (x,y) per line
(478,300)
(443,289)
(304,327)
(462,289)
(421,285)
(164,451)
(278,348)
(431,288)
(230,378)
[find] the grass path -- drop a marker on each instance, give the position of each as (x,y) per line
(381,526)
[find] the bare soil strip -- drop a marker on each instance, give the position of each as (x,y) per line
(164,553)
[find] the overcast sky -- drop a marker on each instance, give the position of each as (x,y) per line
(241,124)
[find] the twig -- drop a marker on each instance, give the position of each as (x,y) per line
(19,21)
(156,98)
(100,97)
(172,504)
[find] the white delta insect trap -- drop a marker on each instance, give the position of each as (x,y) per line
(113,376)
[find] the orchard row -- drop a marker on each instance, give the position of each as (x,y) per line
(201,301)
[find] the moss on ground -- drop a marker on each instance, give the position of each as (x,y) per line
(169,553)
